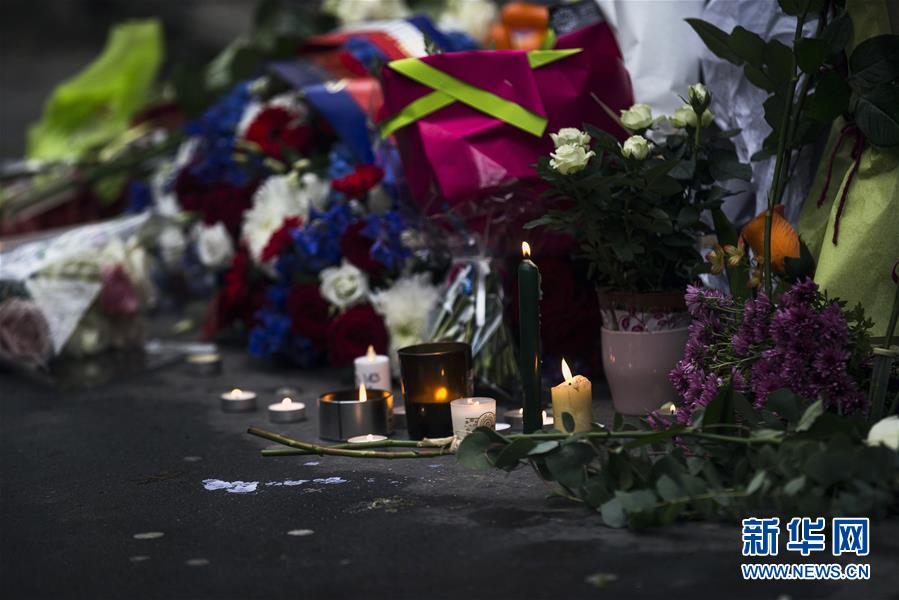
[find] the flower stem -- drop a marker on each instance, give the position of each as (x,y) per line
(361,452)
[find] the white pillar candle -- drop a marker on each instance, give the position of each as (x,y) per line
(286,411)
(470,413)
(575,397)
(238,400)
(373,370)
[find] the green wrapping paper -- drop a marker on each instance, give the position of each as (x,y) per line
(857,267)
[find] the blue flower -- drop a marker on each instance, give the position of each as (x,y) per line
(340,161)
(318,244)
(386,231)
(140,197)
(216,130)
(270,335)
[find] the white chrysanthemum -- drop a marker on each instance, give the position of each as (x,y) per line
(343,286)
(316,189)
(172,245)
(357,11)
(281,196)
(885,432)
(474,17)
(406,308)
(214,246)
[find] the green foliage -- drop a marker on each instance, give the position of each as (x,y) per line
(636,221)
(790,457)
(96,105)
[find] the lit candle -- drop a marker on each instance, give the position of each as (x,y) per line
(349,413)
(501,427)
(373,370)
(369,437)
(205,363)
(515,418)
(470,413)
(575,397)
(286,411)
(529,338)
(238,400)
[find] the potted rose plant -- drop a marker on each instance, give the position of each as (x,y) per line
(635,210)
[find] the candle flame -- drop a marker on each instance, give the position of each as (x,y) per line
(672,409)
(525,249)
(286,402)
(440,394)
(363,397)
(566,371)
(235,392)
(371,353)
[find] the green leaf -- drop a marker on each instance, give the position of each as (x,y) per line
(785,403)
(838,32)
(687,217)
(509,457)
(811,414)
(750,46)
(811,54)
(779,58)
(724,165)
(875,61)
(96,105)
(716,40)
(567,421)
(794,8)
(654,438)
(567,463)
(544,448)
(758,78)
(472,452)
(237,61)
(756,483)
(877,115)
(830,99)
(669,489)
(613,513)
(794,486)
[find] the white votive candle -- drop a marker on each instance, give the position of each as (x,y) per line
(470,413)
(370,437)
(501,427)
(286,411)
(238,400)
(373,370)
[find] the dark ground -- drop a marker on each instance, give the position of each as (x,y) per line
(83,472)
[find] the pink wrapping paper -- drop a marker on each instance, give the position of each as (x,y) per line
(458,153)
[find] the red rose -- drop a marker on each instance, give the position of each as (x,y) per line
(309,314)
(215,202)
(24,333)
(281,238)
(356,248)
(118,298)
(238,299)
(351,332)
(275,129)
(357,183)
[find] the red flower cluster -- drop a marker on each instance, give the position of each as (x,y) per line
(280,239)
(215,201)
(238,299)
(351,332)
(276,129)
(356,248)
(118,298)
(309,314)
(357,183)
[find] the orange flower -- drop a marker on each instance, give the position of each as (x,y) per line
(784,239)
(522,26)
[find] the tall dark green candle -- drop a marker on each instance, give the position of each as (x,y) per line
(530,361)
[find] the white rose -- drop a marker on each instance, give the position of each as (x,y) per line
(214,246)
(570,159)
(636,147)
(570,136)
(637,117)
(343,286)
(171,245)
(685,116)
(281,196)
(406,308)
(316,190)
(355,11)
(471,16)
(885,432)
(698,94)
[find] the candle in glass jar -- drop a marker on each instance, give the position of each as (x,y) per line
(373,370)
(470,413)
(575,397)
(529,338)
(238,400)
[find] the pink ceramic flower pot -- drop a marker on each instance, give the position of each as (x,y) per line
(637,365)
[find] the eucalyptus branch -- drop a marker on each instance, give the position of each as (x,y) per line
(558,435)
(362,452)
(290,451)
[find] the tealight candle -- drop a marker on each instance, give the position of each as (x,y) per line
(369,437)
(205,363)
(470,413)
(501,427)
(515,418)
(286,411)
(238,400)
(575,397)
(373,370)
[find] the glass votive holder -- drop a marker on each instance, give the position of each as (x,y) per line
(470,413)
(432,376)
